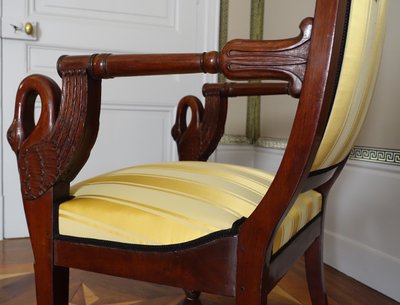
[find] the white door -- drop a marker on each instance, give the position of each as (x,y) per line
(137,114)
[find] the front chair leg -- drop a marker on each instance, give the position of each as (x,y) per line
(51,284)
(315,273)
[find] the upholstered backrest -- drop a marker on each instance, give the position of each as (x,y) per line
(356,83)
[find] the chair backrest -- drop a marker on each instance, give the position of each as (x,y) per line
(360,65)
(342,64)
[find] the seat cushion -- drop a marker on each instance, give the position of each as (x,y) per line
(174,203)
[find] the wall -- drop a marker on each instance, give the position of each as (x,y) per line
(361,237)
(238,27)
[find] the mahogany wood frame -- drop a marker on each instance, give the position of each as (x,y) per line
(239,263)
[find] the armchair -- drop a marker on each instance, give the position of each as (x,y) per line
(201,226)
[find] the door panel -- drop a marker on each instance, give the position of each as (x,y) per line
(135,11)
(137,113)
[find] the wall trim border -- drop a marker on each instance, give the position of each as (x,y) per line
(235,140)
(380,155)
(376,155)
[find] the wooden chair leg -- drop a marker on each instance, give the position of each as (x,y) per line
(192,295)
(315,273)
(263,300)
(52,284)
(253,296)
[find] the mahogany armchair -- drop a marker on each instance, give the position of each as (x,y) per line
(201,226)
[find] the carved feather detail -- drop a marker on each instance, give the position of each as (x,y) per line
(40,166)
(262,59)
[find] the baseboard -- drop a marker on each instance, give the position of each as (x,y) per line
(375,269)
(362,227)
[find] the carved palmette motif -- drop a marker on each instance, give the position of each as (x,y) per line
(269,59)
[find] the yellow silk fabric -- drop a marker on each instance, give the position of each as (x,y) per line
(357,79)
(172,203)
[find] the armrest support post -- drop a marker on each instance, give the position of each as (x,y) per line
(55,149)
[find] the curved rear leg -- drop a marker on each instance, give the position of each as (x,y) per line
(315,273)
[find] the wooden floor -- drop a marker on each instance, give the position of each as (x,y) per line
(17,286)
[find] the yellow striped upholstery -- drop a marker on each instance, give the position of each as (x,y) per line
(359,70)
(172,203)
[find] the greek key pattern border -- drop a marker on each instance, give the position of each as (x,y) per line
(360,153)
(235,139)
(376,155)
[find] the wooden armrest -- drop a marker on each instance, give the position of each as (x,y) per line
(240,59)
(102,66)
(53,151)
(246,89)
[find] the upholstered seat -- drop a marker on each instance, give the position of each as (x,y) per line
(173,203)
